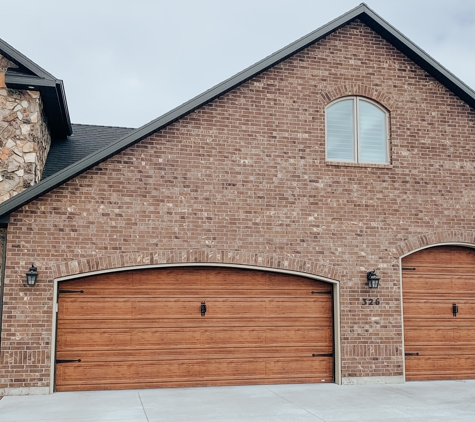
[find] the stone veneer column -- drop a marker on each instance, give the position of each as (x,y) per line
(24,137)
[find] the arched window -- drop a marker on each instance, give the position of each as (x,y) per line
(357,131)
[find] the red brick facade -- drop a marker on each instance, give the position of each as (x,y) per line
(244,180)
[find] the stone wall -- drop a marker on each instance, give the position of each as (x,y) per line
(24,138)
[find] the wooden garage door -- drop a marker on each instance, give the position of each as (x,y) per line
(439,343)
(144,329)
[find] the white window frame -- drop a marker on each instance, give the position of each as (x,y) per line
(356,128)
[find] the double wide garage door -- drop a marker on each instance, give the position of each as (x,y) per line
(192,326)
(439,313)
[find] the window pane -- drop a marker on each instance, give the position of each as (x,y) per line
(372,133)
(340,131)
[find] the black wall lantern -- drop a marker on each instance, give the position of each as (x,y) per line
(31,276)
(372,280)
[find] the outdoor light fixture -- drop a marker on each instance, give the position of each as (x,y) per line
(31,276)
(372,280)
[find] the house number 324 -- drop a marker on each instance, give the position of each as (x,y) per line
(371,302)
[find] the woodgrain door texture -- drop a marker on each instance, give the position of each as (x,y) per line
(439,313)
(192,326)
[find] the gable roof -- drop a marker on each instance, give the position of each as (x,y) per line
(362,12)
(30,76)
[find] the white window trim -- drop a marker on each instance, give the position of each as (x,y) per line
(356,121)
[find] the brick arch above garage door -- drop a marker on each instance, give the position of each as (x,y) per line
(196,256)
(442,237)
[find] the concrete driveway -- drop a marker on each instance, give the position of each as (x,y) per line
(409,402)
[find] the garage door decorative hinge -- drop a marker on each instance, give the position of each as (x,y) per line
(67,360)
(411,354)
(322,293)
(71,291)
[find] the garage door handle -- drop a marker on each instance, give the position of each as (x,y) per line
(455,309)
(67,360)
(203,308)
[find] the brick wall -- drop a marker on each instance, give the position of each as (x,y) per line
(247,175)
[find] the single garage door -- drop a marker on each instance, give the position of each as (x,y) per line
(439,313)
(192,326)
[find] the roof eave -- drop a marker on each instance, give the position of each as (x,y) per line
(53,97)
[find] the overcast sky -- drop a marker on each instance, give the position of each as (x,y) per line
(125,63)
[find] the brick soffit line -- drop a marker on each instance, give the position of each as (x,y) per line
(361,12)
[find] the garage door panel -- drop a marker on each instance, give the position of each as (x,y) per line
(166,370)
(151,308)
(106,280)
(157,291)
(440,336)
(317,305)
(171,277)
(434,271)
(95,308)
(439,308)
(314,366)
(176,279)
(439,344)
(144,329)
(265,336)
(460,349)
(465,364)
(437,285)
(231,322)
(187,383)
(83,373)
(299,336)
(236,337)
(225,279)
(434,367)
(149,371)
(439,367)
(178,353)
(100,339)
(225,308)
(431,336)
(442,256)
(447,323)
(93,339)
(167,308)
(227,368)
(140,279)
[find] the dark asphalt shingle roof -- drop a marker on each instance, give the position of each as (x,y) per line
(85,140)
